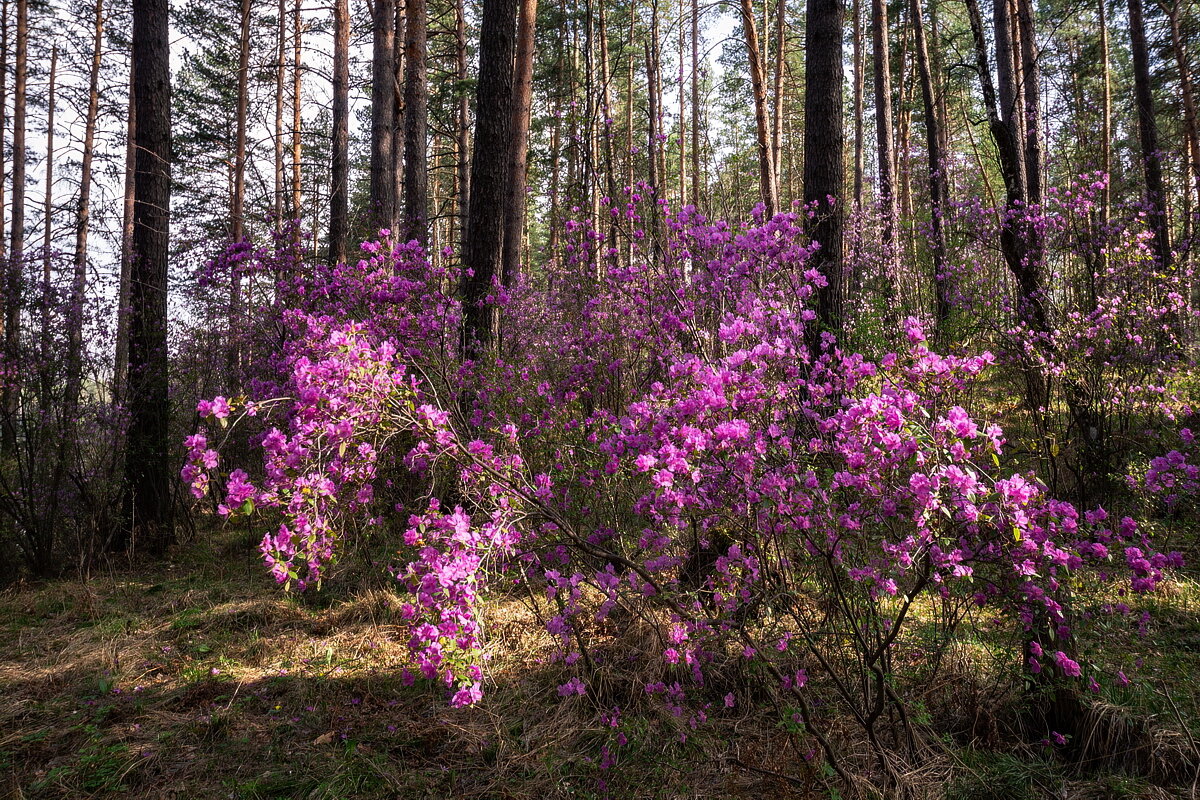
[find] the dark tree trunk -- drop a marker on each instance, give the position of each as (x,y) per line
(937,183)
(484,247)
(297,28)
(1156,197)
(16,248)
(383,117)
(824,152)
(82,220)
(121,357)
(885,144)
(464,114)
(339,207)
(514,206)
(147,467)
(416,123)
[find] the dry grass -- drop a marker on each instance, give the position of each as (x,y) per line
(200,679)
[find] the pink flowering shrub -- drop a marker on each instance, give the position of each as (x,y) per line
(665,437)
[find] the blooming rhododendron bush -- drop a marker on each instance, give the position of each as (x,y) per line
(669,440)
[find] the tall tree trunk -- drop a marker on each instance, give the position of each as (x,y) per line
(416,124)
(824,148)
(885,144)
(82,221)
(147,467)
(399,125)
(856,13)
(610,161)
(297,74)
(1190,124)
(3,133)
(464,114)
(652,113)
(483,250)
(1031,103)
(696,198)
(16,249)
(1105,135)
(121,356)
(277,139)
(1022,261)
(766,165)
(238,214)
(339,202)
(682,126)
(514,204)
(1156,197)
(933,142)
(1009,93)
(777,114)
(383,117)
(48,228)
(238,229)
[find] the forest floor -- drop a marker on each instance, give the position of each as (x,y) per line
(200,678)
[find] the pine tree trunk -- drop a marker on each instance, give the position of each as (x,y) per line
(514,205)
(1105,134)
(48,227)
(121,357)
(885,144)
(297,32)
(82,220)
(856,13)
(277,139)
(383,117)
(147,466)
(766,166)
(824,148)
(416,124)
(339,203)
(1156,197)
(933,142)
(696,198)
(1191,126)
(483,250)
(464,113)
(16,249)
(237,213)
(777,91)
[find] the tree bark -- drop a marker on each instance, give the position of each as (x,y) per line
(937,186)
(1156,197)
(16,249)
(696,198)
(824,148)
(238,229)
(48,228)
(885,144)
(121,357)
(1190,124)
(277,139)
(514,205)
(147,467)
(464,114)
(766,166)
(297,33)
(483,250)
(383,117)
(339,203)
(416,124)
(856,13)
(82,221)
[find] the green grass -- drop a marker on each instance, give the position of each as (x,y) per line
(199,678)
